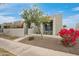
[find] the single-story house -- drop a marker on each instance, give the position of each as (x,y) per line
(18,28)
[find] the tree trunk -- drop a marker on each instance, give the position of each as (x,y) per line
(40,32)
(25,29)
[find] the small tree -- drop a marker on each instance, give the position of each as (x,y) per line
(34,15)
(27,16)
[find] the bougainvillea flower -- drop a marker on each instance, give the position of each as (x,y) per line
(73,39)
(70,36)
(63,32)
(71,31)
(66,40)
(77,33)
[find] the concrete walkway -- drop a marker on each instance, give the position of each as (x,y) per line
(21,49)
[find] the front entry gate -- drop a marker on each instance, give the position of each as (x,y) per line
(48,28)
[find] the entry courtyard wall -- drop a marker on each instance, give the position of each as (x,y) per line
(14,32)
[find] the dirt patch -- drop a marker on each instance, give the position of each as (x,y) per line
(5,53)
(52,43)
(8,36)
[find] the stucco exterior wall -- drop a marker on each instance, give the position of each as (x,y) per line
(57,23)
(14,32)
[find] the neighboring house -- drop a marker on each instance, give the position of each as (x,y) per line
(13,28)
(18,28)
(17,24)
(77,26)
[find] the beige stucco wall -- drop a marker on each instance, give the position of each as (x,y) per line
(14,32)
(57,23)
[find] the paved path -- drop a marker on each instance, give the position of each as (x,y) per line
(21,49)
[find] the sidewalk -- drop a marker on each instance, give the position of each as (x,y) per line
(21,49)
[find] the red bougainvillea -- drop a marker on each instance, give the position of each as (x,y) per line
(69,36)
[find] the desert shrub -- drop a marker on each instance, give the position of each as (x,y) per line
(30,38)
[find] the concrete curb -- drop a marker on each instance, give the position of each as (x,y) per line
(52,36)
